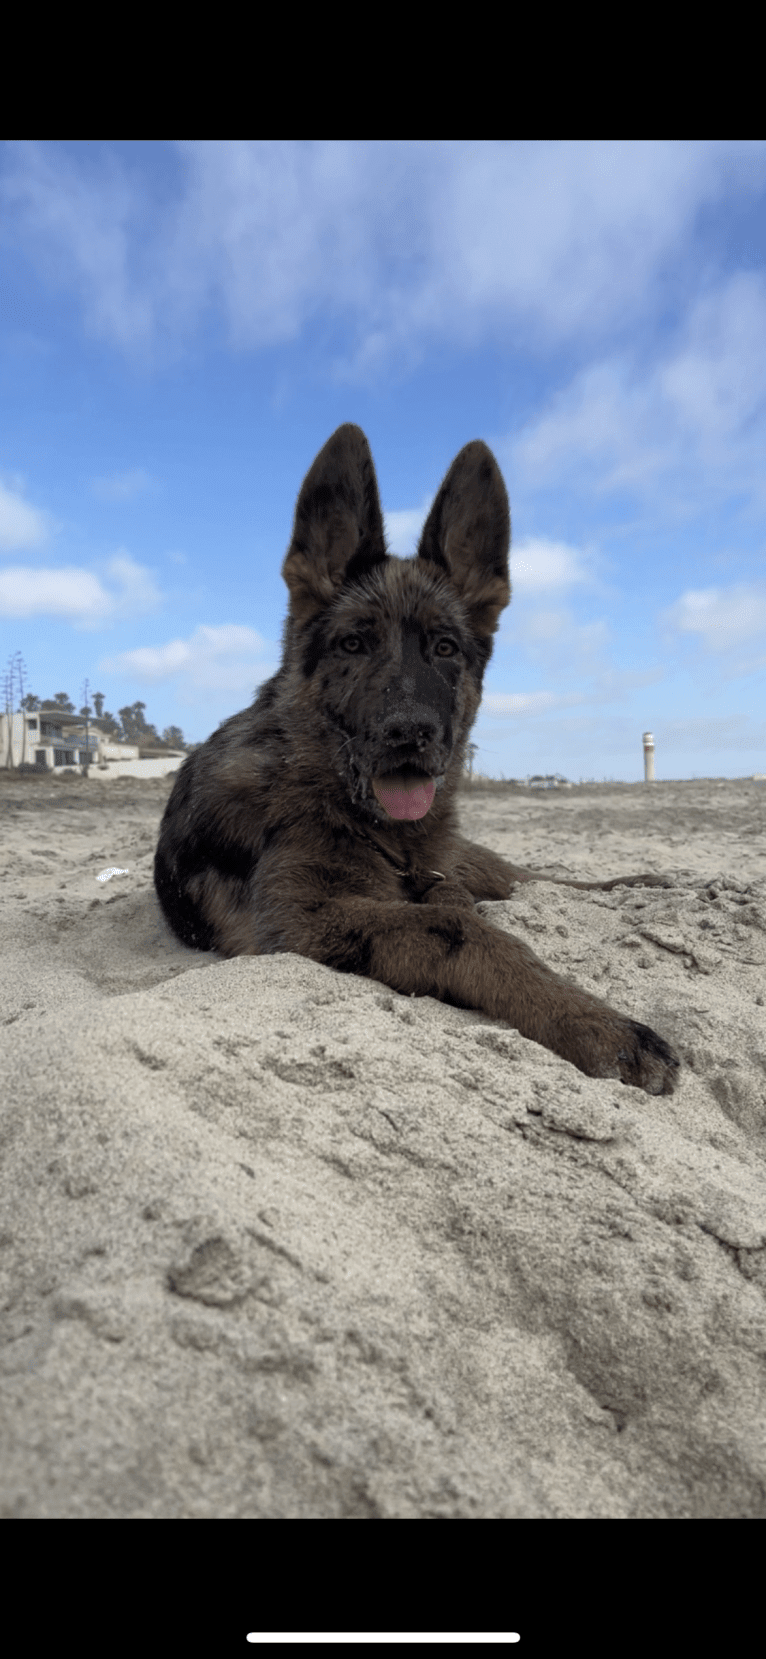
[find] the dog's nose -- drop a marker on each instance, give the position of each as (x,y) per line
(418,730)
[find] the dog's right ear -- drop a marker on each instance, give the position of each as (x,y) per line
(338,527)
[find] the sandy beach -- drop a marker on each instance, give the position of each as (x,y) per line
(277,1242)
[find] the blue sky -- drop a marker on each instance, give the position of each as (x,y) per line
(182,326)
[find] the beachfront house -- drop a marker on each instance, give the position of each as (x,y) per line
(53,741)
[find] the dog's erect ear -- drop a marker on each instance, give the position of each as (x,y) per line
(468,534)
(338,526)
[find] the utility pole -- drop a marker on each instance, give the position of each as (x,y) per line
(16,671)
(86,711)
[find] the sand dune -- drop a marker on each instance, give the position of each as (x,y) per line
(278,1242)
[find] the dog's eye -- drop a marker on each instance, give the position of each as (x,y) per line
(352,643)
(445,648)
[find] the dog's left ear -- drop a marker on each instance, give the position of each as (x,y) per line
(468,535)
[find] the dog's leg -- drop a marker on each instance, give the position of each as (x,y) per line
(488,876)
(454,955)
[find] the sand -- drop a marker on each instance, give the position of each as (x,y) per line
(276,1242)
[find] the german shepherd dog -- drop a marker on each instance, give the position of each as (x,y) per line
(322,819)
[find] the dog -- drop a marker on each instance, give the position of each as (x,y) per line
(322,819)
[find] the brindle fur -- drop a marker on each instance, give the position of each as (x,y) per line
(273,840)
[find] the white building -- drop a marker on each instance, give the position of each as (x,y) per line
(54,741)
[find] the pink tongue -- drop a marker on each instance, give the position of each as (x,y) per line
(403,795)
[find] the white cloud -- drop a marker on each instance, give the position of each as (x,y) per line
(21,524)
(542,566)
(403,528)
(80,596)
(722,617)
(136,593)
(76,595)
(513,703)
(229,658)
(538,565)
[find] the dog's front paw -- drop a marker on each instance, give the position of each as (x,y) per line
(604,1043)
(646,1060)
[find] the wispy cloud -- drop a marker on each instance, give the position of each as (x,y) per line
(549,241)
(91,218)
(691,423)
(122,486)
(21,524)
(540,245)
